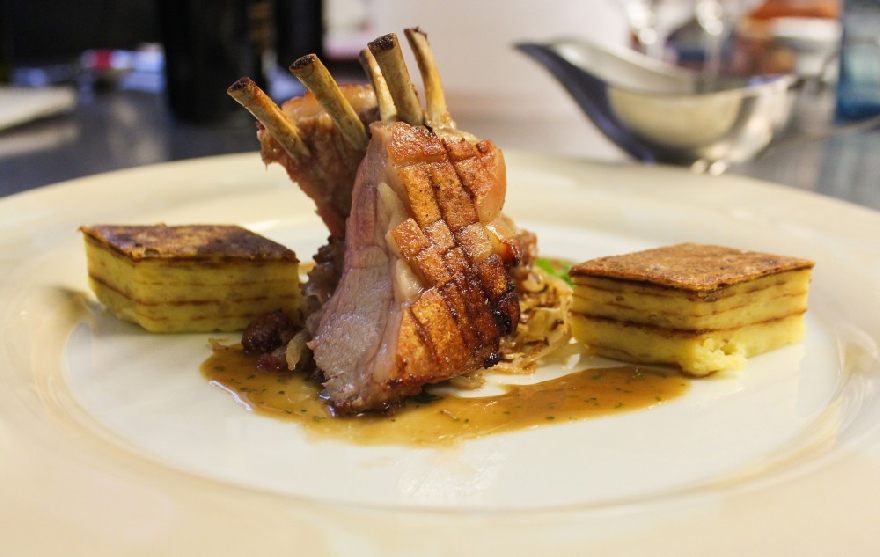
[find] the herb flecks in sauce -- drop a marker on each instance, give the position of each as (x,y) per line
(431,420)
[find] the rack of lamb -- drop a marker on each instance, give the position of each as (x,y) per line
(422,291)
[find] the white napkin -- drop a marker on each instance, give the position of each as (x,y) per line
(23,104)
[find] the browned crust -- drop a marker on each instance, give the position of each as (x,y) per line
(414,145)
(459,311)
(440,236)
(474,171)
(429,262)
(409,238)
(468,303)
(452,356)
(689,266)
(420,195)
(473,295)
(415,359)
(190,242)
(475,241)
(455,202)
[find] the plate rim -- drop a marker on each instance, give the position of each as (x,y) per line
(37,197)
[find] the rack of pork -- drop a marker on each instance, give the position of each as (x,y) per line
(414,286)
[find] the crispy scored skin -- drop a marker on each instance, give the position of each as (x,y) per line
(689,266)
(452,251)
(466,300)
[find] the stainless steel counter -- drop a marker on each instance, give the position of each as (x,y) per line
(121,129)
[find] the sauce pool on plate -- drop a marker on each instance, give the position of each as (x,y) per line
(432,420)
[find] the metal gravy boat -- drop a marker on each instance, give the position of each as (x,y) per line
(661,113)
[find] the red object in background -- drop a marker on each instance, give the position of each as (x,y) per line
(757,51)
(101,60)
(772,9)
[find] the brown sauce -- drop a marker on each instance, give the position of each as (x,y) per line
(443,420)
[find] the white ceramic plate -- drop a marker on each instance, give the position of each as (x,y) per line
(112,443)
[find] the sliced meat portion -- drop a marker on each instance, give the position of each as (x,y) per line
(423,295)
(322,281)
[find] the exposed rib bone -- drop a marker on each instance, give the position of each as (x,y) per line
(258,103)
(437,114)
(387,51)
(314,75)
(387,110)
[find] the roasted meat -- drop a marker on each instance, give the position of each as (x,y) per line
(425,292)
(302,137)
(322,281)
(423,295)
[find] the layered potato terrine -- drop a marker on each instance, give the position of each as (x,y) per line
(702,308)
(196,278)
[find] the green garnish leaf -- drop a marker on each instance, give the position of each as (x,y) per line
(558,268)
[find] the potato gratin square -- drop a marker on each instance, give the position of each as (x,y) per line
(196,278)
(700,307)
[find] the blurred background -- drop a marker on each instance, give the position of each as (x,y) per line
(96,85)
